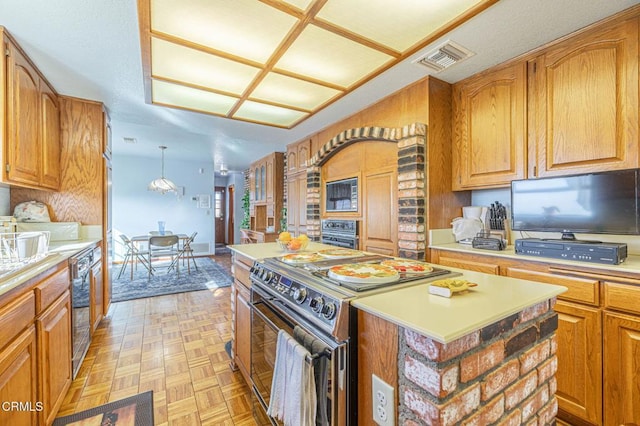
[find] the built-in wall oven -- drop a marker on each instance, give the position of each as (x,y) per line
(80,268)
(340,233)
(279,301)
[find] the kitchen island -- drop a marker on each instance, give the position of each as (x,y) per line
(484,356)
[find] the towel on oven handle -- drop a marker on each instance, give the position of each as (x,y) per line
(320,370)
(293,396)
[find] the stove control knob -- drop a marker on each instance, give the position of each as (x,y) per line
(300,295)
(268,275)
(316,304)
(329,311)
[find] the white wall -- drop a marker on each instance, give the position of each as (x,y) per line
(237,180)
(136,211)
(5,203)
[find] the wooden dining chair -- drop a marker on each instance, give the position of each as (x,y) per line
(163,246)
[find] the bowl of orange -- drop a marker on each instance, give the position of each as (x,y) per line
(292,244)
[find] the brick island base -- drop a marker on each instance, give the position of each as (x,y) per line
(502,374)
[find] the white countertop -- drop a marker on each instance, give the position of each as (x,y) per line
(264,250)
(59,251)
(437,317)
(446,319)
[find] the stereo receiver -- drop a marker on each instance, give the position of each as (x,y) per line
(584,251)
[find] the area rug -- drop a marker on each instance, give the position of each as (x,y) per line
(136,410)
(210,275)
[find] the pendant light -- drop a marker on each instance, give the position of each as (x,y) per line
(162,185)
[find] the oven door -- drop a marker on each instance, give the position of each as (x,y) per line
(268,317)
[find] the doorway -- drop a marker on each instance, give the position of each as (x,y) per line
(230,215)
(220,215)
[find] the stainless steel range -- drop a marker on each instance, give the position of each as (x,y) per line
(340,232)
(290,298)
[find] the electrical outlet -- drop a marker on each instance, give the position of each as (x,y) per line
(383,402)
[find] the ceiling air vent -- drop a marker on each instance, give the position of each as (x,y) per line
(129,140)
(444,56)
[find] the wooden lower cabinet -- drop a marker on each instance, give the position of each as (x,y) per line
(579,354)
(241,313)
(622,369)
(243,331)
(54,355)
(598,334)
(96,296)
(35,349)
(18,380)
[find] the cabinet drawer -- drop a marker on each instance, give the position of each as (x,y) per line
(583,290)
(622,296)
(241,273)
(51,288)
(16,316)
(471,265)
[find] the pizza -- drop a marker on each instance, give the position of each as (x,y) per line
(363,273)
(340,253)
(301,258)
(408,266)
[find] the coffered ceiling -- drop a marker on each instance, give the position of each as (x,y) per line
(277,62)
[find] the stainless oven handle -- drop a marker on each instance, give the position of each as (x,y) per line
(263,317)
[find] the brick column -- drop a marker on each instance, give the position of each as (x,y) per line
(502,374)
(313,203)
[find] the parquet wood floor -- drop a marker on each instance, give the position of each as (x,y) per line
(173,345)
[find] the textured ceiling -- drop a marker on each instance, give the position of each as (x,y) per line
(91,49)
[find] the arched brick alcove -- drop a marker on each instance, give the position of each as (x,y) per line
(411,141)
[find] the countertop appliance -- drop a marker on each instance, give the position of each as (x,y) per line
(283,297)
(79,267)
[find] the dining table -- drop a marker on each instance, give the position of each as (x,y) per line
(141,239)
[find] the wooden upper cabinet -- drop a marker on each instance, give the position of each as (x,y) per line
(584,102)
(490,131)
(50,138)
(23,120)
(298,155)
(31,146)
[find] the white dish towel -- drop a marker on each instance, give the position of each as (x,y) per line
(293,397)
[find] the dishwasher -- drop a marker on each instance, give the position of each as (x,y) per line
(80,267)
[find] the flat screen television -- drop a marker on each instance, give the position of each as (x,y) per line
(595,203)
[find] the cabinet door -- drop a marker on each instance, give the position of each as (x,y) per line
(96,296)
(490,132)
(50,138)
(243,332)
(19,378)
(54,355)
(23,120)
(269,180)
(380,199)
(622,364)
(586,93)
(293,204)
(579,355)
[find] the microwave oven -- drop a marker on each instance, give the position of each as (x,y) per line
(342,195)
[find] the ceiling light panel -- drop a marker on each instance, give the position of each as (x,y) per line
(198,68)
(398,26)
(244,28)
(189,98)
(300,4)
(325,56)
(290,91)
(263,113)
